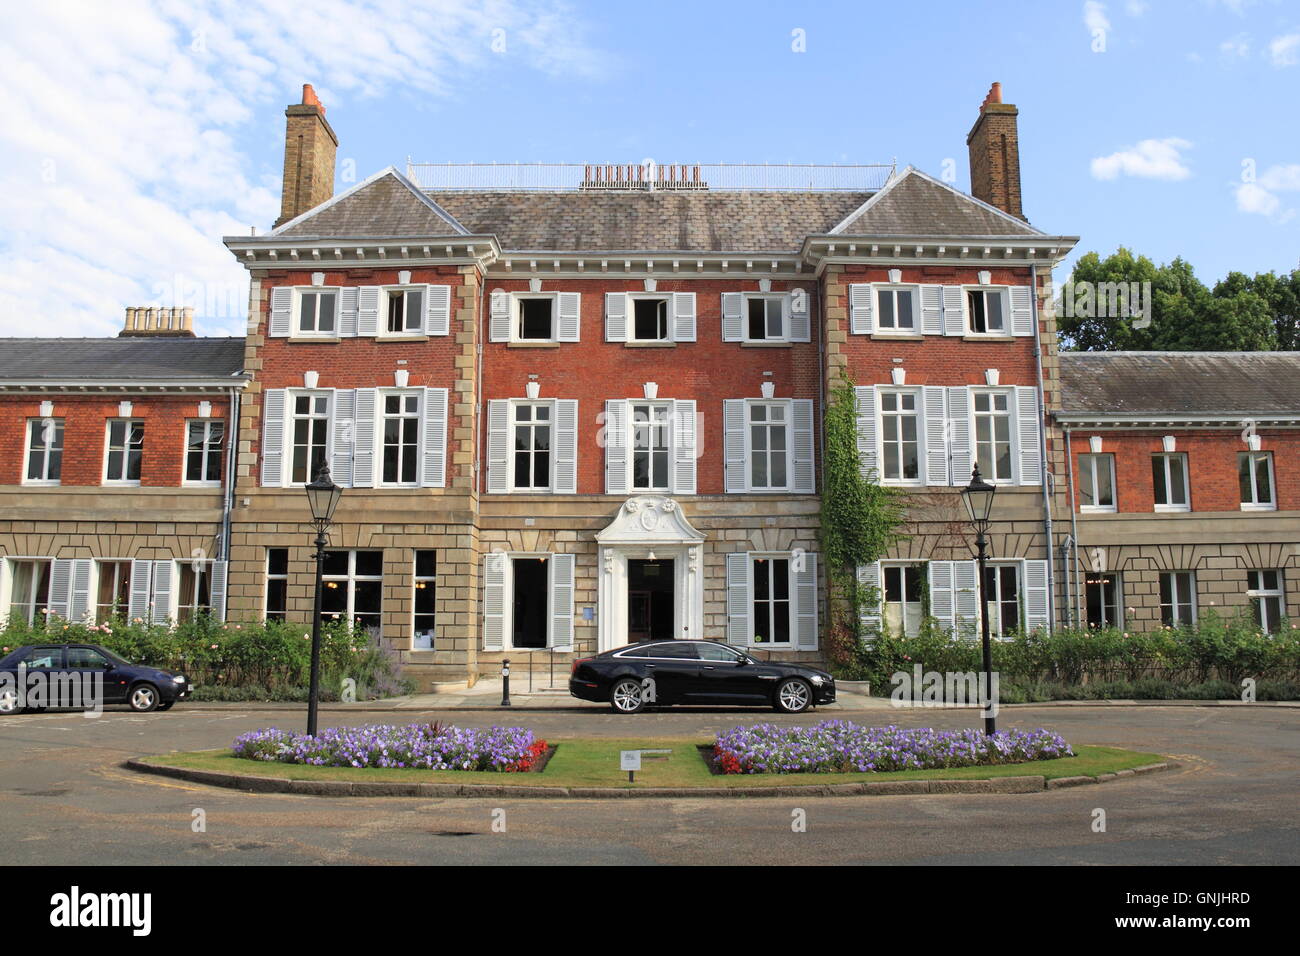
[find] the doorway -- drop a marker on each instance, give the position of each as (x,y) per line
(651,608)
(531,604)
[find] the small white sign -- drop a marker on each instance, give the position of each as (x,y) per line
(629,760)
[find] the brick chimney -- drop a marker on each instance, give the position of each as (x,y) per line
(158,322)
(994,146)
(309,148)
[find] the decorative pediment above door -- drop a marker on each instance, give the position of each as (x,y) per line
(649,519)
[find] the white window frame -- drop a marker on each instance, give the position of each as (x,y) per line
(668,425)
(517,316)
(350,579)
(116,566)
(1258,594)
(997,627)
(791,599)
(1004,293)
(47,447)
(917,412)
(903,567)
(1254,458)
(202,571)
(381,418)
(207,424)
(508,599)
(666,298)
(1118,623)
(511,451)
(417,580)
(268,577)
(783,302)
(11,575)
(1089,460)
(787,406)
(386,294)
(290,421)
(108,447)
(295,316)
(894,288)
(1013,431)
(1164,457)
(1177,598)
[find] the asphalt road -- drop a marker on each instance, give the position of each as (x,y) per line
(64,799)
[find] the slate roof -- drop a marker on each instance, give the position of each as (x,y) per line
(914,204)
(1151,384)
(111,361)
(386,204)
(649,221)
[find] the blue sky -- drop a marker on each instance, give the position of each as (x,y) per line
(141,134)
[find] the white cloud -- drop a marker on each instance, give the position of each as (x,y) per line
(1136,8)
(122,125)
(1149,159)
(1236,47)
(1251,198)
(1285,50)
(1094,17)
(1260,197)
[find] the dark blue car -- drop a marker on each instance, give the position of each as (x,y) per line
(84,676)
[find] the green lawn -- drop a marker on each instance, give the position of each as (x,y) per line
(594,763)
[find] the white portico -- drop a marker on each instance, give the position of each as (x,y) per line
(651,583)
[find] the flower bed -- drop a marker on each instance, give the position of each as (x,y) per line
(838,746)
(418,746)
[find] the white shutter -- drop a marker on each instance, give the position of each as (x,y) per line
(616,447)
(965,588)
(959,437)
(738,629)
(801,416)
(141,579)
(561,602)
(684,444)
(733,415)
(1027,428)
(494,601)
(804,587)
(936,447)
(861,304)
(869,578)
(499,327)
(616,309)
(344,426)
(79,607)
(60,599)
(363,434)
(498,444)
(733,317)
(281,324)
(217,589)
(348,297)
(932,309)
(368,310)
(437,309)
(1036,585)
(867,464)
(1022,310)
(798,306)
(273,413)
(433,466)
(942,603)
(569,308)
(682,319)
(954,310)
(164,573)
(564,481)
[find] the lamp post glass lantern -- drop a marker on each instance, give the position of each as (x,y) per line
(322,497)
(978,498)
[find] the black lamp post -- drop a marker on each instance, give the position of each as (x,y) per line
(978,498)
(323,497)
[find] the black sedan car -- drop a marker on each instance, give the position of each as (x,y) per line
(84,676)
(696,672)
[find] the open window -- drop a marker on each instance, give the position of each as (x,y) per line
(986,310)
(536,319)
(765,318)
(650,319)
(405,310)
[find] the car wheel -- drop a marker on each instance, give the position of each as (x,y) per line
(794,696)
(626,697)
(143,698)
(9,702)
(166,705)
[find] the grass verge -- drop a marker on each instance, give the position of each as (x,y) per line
(594,763)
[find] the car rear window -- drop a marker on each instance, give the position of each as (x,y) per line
(683,650)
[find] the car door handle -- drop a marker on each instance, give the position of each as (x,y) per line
(708,667)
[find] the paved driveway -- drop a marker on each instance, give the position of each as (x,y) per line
(64,799)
